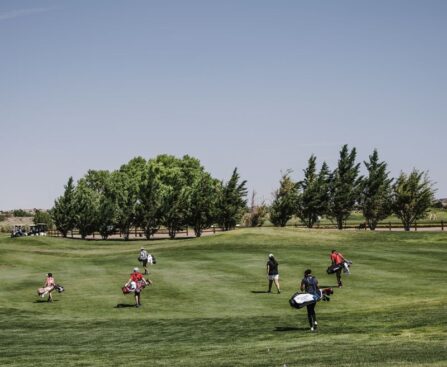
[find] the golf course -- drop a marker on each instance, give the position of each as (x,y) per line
(208,306)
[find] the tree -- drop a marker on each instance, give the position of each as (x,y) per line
(256,215)
(149,211)
(202,203)
(176,177)
(375,194)
(126,186)
(231,202)
(63,212)
(343,187)
(41,216)
(413,195)
(313,196)
(284,201)
(86,203)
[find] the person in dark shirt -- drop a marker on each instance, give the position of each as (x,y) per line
(272,273)
(309,284)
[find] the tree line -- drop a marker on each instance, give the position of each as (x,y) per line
(166,191)
(335,194)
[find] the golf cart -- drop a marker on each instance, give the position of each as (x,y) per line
(39,229)
(18,231)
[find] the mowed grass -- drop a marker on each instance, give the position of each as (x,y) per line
(205,308)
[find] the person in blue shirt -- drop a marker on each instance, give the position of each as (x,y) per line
(309,284)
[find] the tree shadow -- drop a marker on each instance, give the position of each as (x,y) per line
(290,328)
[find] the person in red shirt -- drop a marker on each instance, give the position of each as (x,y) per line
(338,259)
(138,282)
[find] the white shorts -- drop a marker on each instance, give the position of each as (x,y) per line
(273,277)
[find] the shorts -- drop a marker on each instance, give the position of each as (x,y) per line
(273,277)
(144,262)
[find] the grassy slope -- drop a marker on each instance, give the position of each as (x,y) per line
(202,309)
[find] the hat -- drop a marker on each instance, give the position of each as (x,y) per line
(135,269)
(270,255)
(142,248)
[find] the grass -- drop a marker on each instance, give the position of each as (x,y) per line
(204,308)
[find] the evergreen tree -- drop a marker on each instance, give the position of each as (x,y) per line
(284,201)
(63,212)
(375,195)
(343,187)
(413,195)
(231,201)
(313,195)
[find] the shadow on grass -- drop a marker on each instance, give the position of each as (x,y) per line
(257,292)
(124,305)
(290,328)
(45,301)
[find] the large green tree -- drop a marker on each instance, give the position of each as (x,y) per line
(284,201)
(375,193)
(413,196)
(63,211)
(343,187)
(150,215)
(202,203)
(313,193)
(86,203)
(126,185)
(232,201)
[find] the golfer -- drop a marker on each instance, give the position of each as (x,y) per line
(48,286)
(337,259)
(272,273)
(138,280)
(309,284)
(143,257)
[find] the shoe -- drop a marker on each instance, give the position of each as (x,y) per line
(279,292)
(315,325)
(340,285)
(137,305)
(312,329)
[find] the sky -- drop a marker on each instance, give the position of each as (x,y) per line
(253,84)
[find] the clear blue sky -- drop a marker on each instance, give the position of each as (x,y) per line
(260,85)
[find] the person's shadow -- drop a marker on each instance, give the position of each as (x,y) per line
(290,328)
(124,305)
(257,292)
(45,301)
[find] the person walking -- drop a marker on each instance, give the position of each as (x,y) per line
(143,257)
(337,259)
(138,283)
(48,286)
(272,273)
(309,284)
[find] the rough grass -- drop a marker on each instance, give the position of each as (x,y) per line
(204,308)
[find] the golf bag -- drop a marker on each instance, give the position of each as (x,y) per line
(300,300)
(346,265)
(42,292)
(334,268)
(135,287)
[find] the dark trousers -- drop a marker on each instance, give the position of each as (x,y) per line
(311,314)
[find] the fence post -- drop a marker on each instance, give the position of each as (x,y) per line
(214,229)
(187,234)
(442,225)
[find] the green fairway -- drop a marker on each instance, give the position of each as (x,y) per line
(206,307)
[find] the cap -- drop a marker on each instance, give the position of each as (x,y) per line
(135,269)
(270,255)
